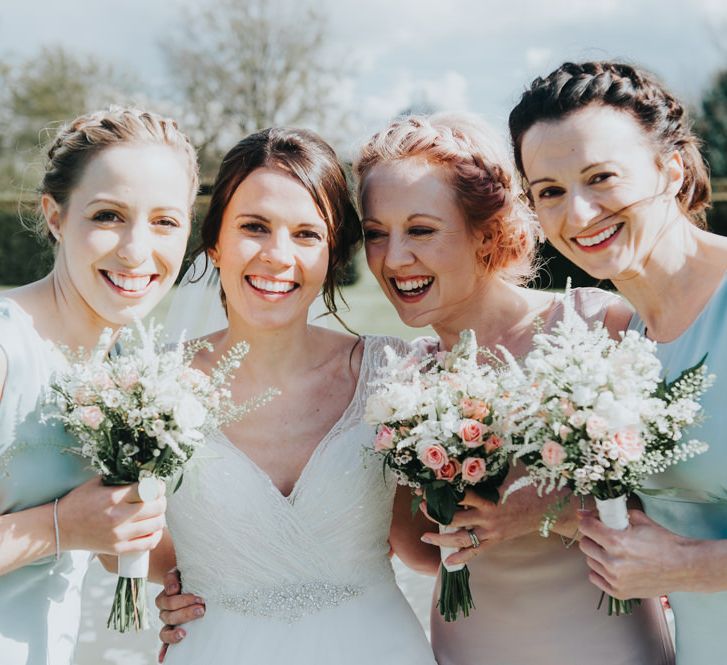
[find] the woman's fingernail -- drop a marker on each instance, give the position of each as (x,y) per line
(180,634)
(426,539)
(172,588)
(199,600)
(198,611)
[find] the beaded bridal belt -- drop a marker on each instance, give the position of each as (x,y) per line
(289,602)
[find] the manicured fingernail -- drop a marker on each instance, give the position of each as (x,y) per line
(426,539)
(172,588)
(198,611)
(180,634)
(199,600)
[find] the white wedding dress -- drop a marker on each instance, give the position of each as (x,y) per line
(298,580)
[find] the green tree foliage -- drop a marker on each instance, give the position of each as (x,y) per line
(40,93)
(712,125)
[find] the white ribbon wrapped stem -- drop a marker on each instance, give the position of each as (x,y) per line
(136,564)
(446,551)
(613,512)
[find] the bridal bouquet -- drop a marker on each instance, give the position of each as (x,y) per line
(434,419)
(593,415)
(139,415)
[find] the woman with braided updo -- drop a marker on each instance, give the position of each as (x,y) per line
(450,239)
(618,183)
(116,201)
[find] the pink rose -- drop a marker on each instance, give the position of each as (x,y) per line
(567,407)
(564,432)
(474,408)
(101,380)
(470,431)
(83,394)
(128,379)
(449,471)
(434,456)
(492,443)
(90,416)
(629,444)
(473,469)
(596,427)
(384,438)
(553,453)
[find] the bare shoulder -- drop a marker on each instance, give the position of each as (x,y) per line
(618,316)
(345,350)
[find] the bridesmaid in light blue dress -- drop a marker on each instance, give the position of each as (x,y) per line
(620,188)
(116,198)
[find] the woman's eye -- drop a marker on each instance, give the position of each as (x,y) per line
(420,231)
(309,234)
(550,192)
(598,178)
(372,234)
(167,221)
(107,216)
(253,227)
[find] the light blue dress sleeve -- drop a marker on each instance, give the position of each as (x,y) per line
(39,603)
(695,504)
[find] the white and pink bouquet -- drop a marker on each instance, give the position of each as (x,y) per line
(436,431)
(139,414)
(594,415)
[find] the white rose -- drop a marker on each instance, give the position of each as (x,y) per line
(189,413)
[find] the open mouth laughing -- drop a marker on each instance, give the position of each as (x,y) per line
(268,286)
(128,284)
(412,287)
(600,240)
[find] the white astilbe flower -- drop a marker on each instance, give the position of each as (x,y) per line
(143,409)
(593,414)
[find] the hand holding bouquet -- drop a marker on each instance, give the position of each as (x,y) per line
(593,415)
(434,421)
(139,416)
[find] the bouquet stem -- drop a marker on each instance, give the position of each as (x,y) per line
(455,594)
(129,606)
(614,514)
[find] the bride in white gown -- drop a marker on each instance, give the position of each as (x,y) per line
(284,527)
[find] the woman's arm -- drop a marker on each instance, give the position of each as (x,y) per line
(405,536)
(93,517)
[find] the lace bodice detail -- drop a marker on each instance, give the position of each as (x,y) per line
(244,545)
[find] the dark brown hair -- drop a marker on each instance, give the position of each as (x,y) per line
(309,159)
(661,115)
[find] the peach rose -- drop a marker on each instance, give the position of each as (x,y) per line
(449,471)
(629,444)
(473,469)
(553,453)
(90,416)
(474,408)
(492,443)
(384,438)
(434,456)
(470,431)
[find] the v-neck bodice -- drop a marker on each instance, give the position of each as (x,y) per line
(353,409)
(330,534)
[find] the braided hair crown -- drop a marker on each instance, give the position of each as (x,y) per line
(574,86)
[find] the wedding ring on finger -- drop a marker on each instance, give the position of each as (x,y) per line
(473,537)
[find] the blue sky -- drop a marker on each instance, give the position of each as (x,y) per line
(472,55)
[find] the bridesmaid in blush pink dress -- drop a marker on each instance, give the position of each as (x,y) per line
(450,239)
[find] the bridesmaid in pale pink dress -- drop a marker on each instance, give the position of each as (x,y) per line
(450,239)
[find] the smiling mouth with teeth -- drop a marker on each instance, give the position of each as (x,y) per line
(128,283)
(271,286)
(593,241)
(411,286)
